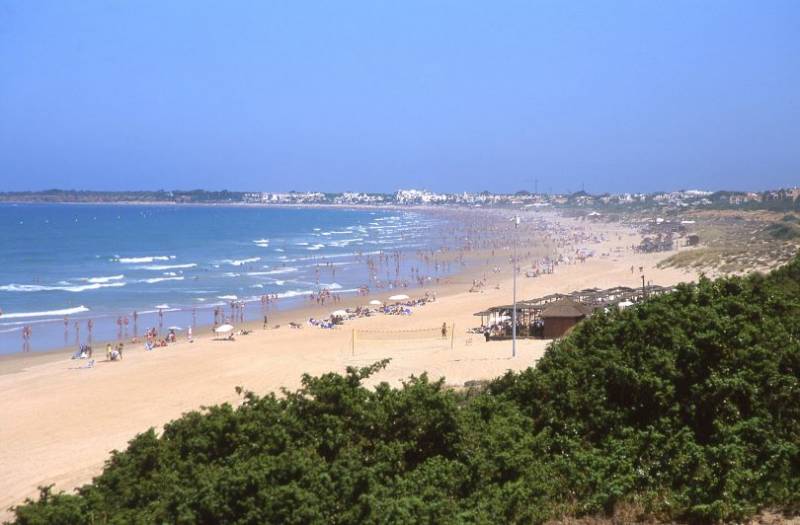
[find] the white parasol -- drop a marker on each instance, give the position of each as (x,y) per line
(401,297)
(224,329)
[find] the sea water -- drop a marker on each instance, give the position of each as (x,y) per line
(62,265)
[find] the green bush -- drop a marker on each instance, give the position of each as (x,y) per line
(685,407)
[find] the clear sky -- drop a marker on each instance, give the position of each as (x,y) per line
(377,95)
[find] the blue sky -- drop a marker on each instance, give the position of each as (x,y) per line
(374,96)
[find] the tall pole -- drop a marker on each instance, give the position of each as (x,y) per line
(514,286)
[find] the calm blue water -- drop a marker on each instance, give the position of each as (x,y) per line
(106,261)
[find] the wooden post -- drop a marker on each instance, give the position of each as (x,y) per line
(353,343)
(452,335)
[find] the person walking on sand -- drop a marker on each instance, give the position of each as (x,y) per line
(108,352)
(444,330)
(265,322)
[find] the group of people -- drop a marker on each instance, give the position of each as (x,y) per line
(114,353)
(323,323)
(398,308)
(84,352)
(324,296)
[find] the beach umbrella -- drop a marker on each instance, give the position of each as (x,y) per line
(339,313)
(401,297)
(224,329)
(375,302)
(176,328)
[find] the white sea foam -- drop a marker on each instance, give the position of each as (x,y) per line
(341,243)
(227,297)
(103,279)
(279,250)
(161,267)
(162,307)
(293,293)
(240,262)
(64,288)
(65,311)
(315,247)
(147,259)
(160,279)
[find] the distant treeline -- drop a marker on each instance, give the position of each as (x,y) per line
(122,196)
(685,407)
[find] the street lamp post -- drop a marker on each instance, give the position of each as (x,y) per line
(514,293)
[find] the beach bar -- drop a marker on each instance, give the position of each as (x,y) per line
(552,316)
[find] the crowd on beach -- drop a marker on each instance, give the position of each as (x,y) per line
(540,245)
(401,307)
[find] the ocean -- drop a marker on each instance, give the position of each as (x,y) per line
(62,265)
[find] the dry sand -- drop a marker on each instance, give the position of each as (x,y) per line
(59,423)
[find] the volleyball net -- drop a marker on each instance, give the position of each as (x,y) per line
(439,338)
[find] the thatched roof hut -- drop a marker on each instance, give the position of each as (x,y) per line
(562,315)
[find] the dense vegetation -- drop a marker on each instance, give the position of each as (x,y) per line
(686,407)
(785,230)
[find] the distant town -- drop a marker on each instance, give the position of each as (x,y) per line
(776,200)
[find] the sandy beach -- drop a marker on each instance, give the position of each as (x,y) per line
(59,422)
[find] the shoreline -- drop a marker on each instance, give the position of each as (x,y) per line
(65,439)
(299,311)
(55,345)
(20,361)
